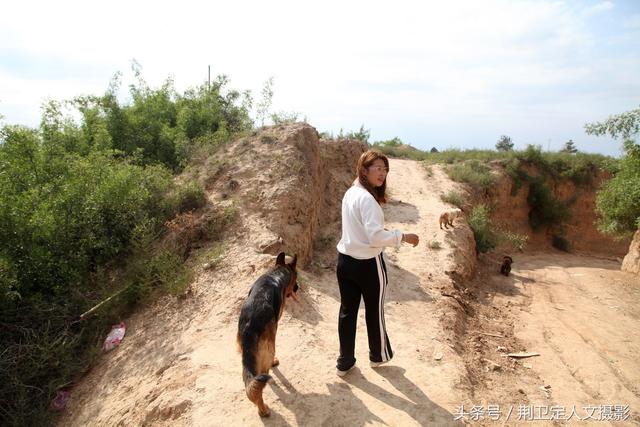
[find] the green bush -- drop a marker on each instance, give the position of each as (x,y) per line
(63,214)
(483,233)
(472,172)
(618,202)
(546,209)
(396,148)
(578,167)
(158,126)
(187,197)
(453,197)
(517,241)
(64,217)
(82,213)
(532,154)
(514,169)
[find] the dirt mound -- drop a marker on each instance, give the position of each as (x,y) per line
(289,180)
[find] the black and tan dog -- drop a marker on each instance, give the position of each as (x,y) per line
(259,323)
(505,268)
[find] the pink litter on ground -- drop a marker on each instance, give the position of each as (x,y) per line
(115,336)
(60,401)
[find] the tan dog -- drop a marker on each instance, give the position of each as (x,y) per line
(447,217)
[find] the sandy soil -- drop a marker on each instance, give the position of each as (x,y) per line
(178,364)
(580,314)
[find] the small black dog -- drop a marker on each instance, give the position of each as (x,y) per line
(505,268)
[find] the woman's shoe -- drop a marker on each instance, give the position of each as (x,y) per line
(343,373)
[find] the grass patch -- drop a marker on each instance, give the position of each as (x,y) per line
(402,151)
(434,244)
(454,198)
(210,258)
(579,168)
(472,172)
(516,241)
(428,169)
(457,156)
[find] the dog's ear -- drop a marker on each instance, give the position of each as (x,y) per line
(292,264)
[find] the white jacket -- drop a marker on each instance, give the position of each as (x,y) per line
(363,233)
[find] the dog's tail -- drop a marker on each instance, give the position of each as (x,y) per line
(253,385)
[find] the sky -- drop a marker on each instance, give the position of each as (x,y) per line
(435,74)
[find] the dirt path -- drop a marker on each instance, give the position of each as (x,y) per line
(581,314)
(413,390)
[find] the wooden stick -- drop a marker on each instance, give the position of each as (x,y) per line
(488,334)
(85,314)
(524,354)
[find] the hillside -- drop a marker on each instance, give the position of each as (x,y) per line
(178,364)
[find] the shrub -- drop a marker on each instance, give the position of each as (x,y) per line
(361,135)
(82,206)
(474,173)
(284,117)
(159,124)
(188,197)
(546,209)
(532,154)
(514,170)
(453,197)
(517,241)
(618,202)
(395,148)
(483,232)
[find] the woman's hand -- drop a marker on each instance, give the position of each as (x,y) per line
(411,238)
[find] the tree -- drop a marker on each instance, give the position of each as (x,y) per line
(265,103)
(434,150)
(569,147)
(618,203)
(361,135)
(625,125)
(504,143)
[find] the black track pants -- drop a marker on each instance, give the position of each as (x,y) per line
(365,278)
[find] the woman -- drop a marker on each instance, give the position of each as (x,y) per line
(361,269)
